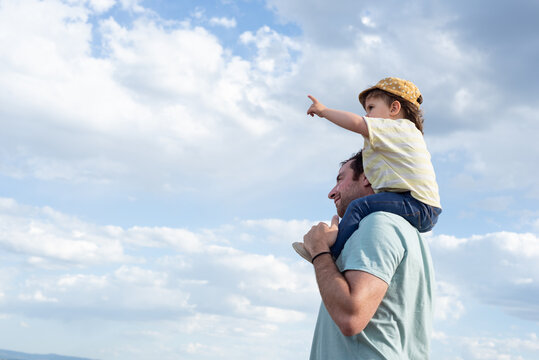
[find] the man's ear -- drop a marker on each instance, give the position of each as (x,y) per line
(395,108)
(364,180)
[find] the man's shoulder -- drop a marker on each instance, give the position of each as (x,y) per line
(377,246)
(380,227)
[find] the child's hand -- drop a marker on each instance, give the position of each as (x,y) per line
(316,108)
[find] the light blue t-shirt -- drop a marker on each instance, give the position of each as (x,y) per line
(388,247)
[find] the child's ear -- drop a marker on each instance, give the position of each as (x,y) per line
(395,107)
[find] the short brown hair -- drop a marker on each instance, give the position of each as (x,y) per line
(356,164)
(411,112)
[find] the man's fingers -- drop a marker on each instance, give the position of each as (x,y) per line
(335,221)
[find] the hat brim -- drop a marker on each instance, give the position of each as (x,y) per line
(363,95)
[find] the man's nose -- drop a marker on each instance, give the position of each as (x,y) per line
(332,193)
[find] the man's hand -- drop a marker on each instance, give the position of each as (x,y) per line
(316,108)
(321,237)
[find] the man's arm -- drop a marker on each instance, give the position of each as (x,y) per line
(344,119)
(351,299)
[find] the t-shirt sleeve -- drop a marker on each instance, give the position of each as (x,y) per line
(381,131)
(375,247)
(387,135)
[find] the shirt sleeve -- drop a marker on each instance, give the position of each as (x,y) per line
(391,135)
(375,247)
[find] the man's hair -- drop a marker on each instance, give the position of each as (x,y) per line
(356,164)
(411,112)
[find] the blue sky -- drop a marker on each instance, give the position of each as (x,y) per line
(156,163)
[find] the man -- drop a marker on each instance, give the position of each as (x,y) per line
(377,296)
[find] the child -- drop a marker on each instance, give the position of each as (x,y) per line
(395,158)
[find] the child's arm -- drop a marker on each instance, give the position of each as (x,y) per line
(344,119)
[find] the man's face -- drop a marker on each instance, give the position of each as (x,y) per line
(347,189)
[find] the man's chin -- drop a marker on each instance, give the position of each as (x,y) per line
(340,208)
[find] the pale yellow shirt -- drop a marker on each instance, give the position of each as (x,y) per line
(396,159)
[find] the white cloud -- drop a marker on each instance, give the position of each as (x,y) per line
(499,269)
(252,285)
(169,107)
(37,296)
(141,277)
(70,282)
(180,239)
(231,290)
(173,85)
(485,347)
(282,231)
(185,273)
(367,21)
(448,304)
(525,245)
(242,306)
(132,5)
(500,349)
(223,21)
(447,241)
(155,98)
(101,6)
(273,49)
(45,233)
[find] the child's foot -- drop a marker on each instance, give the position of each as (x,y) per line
(300,249)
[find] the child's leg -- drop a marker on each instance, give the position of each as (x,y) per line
(428,217)
(421,216)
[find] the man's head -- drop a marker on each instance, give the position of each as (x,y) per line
(351,184)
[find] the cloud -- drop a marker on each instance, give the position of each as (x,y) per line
(448,303)
(37,297)
(273,50)
(243,307)
(145,113)
(150,105)
(189,284)
(508,272)
(106,100)
(43,233)
(240,276)
(106,271)
(281,231)
(488,348)
(132,5)
(491,30)
(223,21)
(101,6)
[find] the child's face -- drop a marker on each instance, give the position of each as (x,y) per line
(376,107)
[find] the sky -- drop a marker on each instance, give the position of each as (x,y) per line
(156,163)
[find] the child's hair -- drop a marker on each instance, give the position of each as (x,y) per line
(411,112)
